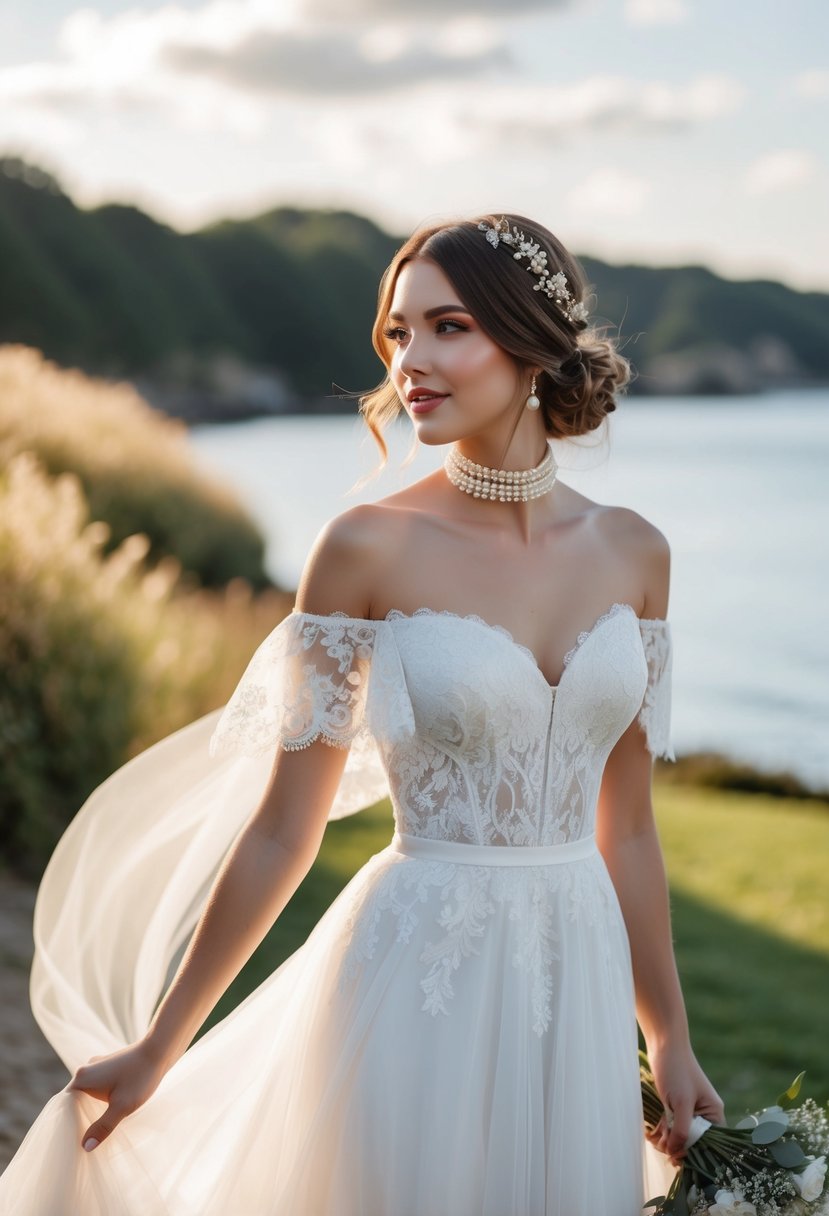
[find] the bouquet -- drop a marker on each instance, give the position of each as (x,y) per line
(772,1163)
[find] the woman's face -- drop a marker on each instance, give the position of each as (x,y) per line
(438,346)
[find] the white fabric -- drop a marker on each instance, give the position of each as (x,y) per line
(456,1035)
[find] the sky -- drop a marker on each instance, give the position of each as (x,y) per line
(664,132)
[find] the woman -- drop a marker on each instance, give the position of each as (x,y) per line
(458,1034)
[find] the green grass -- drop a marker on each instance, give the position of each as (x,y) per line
(751,927)
(750,919)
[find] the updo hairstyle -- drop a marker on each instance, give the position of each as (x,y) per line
(582,371)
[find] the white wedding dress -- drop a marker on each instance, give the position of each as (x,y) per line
(457,1036)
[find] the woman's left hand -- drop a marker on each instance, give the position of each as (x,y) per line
(685,1091)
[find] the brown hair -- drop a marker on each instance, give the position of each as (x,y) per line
(582,371)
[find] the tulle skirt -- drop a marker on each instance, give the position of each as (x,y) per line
(337,1088)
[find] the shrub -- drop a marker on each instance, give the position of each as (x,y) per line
(716,771)
(102,655)
(135,466)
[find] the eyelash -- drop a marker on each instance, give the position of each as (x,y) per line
(391,333)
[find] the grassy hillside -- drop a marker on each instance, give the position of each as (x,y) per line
(293,292)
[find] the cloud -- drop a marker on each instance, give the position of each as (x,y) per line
(407,10)
(785,169)
(656,12)
(610,192)
(813,83)
(512,121)
(282,62)
(599,104)
(245,66)
(234,53)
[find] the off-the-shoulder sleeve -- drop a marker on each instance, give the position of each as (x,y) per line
(655,714)
(317,677)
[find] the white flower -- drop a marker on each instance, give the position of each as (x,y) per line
(731,1203)
(810,1182)
(578,312)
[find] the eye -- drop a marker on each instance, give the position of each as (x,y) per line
(396,333)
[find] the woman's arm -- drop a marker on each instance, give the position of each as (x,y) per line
(262,870)
(629,843)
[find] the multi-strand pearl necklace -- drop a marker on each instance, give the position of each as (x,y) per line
(505,485)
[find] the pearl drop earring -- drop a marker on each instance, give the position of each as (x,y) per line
(532,401)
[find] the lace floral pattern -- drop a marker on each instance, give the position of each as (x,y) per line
(457,901)
(329,678)
(655,714)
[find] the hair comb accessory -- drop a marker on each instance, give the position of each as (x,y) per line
(553,285)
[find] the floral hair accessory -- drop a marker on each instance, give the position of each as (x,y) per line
(553,285)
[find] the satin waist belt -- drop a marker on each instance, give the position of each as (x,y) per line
(492,854)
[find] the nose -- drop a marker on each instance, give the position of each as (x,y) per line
(414,358)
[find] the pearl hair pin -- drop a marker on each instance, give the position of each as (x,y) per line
(505,485)
(554,285)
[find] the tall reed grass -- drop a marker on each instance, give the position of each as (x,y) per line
(136,467)
(102,653)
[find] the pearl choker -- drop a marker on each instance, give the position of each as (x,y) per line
(506,485)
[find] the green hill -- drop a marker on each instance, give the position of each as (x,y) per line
(274,312)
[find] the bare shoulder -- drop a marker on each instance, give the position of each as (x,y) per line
(346,561)
(646,548)
(629,528)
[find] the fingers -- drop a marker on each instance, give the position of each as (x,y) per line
(91,1081)
(97,1081)
(712,1107)
(100,1130)
(678,1133)
(659,1134)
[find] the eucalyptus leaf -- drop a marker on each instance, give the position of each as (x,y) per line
(788,1153)
(767,1133)
(774,1115)
(749,1121)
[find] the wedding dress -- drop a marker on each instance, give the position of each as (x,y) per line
(456,1037)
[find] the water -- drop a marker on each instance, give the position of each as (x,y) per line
(738,485)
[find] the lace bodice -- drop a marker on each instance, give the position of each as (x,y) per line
(455,719)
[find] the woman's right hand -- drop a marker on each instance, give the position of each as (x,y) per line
(124,1080)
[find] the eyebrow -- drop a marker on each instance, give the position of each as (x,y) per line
(433,312)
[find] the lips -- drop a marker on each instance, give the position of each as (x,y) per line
(425,405)
(423,400)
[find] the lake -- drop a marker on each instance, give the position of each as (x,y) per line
(740,487)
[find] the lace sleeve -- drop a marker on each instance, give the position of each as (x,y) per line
(316,677)
(655,713)
(333,678)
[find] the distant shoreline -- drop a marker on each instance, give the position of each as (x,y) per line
(196,410)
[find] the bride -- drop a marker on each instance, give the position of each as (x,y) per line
(458,1034)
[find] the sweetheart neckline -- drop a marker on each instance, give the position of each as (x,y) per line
(584,634)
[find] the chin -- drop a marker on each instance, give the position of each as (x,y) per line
(433,433)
